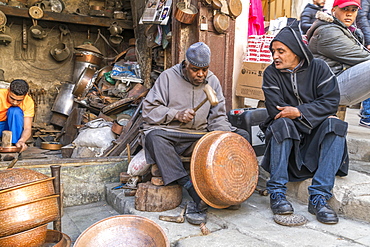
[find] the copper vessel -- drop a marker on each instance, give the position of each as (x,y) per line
(17,176)
(84,82)
(123,230)
(34,237)
(224,169)
(26,193)
(28,215)
(56,239)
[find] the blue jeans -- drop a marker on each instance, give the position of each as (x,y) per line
(365,112)
(14,122)
(331,153)
(354,84)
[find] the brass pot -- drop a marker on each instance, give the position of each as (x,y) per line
(26,193)
(34,237)
(185,15)
(51,145)
(28,215)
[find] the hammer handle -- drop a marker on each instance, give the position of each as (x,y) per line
(200,105)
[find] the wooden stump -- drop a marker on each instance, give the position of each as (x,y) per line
(152,198)
(6,139)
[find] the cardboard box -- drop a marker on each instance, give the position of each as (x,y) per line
(249,83)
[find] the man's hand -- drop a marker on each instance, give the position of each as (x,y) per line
(21,144)
(185,116)
(288,112)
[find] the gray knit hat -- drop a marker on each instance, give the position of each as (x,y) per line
(199,54)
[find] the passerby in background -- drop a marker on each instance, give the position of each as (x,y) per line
(308,15)
(335,39)
(363,22)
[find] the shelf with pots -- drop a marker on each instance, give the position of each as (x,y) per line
(67,18)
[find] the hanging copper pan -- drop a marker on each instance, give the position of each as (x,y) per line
(221,22)
(235,8)
(224,169)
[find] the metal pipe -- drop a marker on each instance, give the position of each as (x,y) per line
(55,172)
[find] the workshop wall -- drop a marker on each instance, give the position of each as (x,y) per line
(29,58)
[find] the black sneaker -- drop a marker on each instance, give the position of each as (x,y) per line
(324,213)
(365,122)
(279,204)
(194,215)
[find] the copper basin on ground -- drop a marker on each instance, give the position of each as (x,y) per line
(123,230)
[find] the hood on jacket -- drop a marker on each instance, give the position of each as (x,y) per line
(291,37)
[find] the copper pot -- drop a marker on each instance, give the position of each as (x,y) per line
(34,237)
(130,229)
(185,15)
(116,128)
(57,239)
(28,215)
(17,176)
(51,145)
(26,193)
(224,169)
(88,57)
(221,22)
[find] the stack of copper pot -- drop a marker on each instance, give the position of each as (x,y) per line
(27,204)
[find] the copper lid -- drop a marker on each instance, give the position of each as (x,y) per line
(88,47)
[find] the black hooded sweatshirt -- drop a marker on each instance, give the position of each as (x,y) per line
(312,88)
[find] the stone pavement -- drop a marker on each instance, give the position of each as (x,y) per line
(252,224)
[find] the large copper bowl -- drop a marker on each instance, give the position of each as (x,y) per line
(26,192)
(28,215)
(34,237)
(122,231)
(224,169)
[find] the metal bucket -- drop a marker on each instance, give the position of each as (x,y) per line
(64,101)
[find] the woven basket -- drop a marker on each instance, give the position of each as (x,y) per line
(224,169)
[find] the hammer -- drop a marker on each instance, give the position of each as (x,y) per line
(176,219)
(211,96)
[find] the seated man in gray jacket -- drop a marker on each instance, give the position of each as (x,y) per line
(171,125)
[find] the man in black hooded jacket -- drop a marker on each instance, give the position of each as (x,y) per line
(304,137)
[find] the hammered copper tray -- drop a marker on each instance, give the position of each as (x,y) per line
(26,192)
(123,230)
(224,169)
(12,149)
(25,216)
(17,176)
(34,237)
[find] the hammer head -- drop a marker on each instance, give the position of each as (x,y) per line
(211,95)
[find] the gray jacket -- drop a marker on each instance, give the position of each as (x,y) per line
(172,92)
(330,40)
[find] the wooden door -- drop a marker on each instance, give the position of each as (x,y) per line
(221,45)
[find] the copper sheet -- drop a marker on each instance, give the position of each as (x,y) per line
(224,169)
